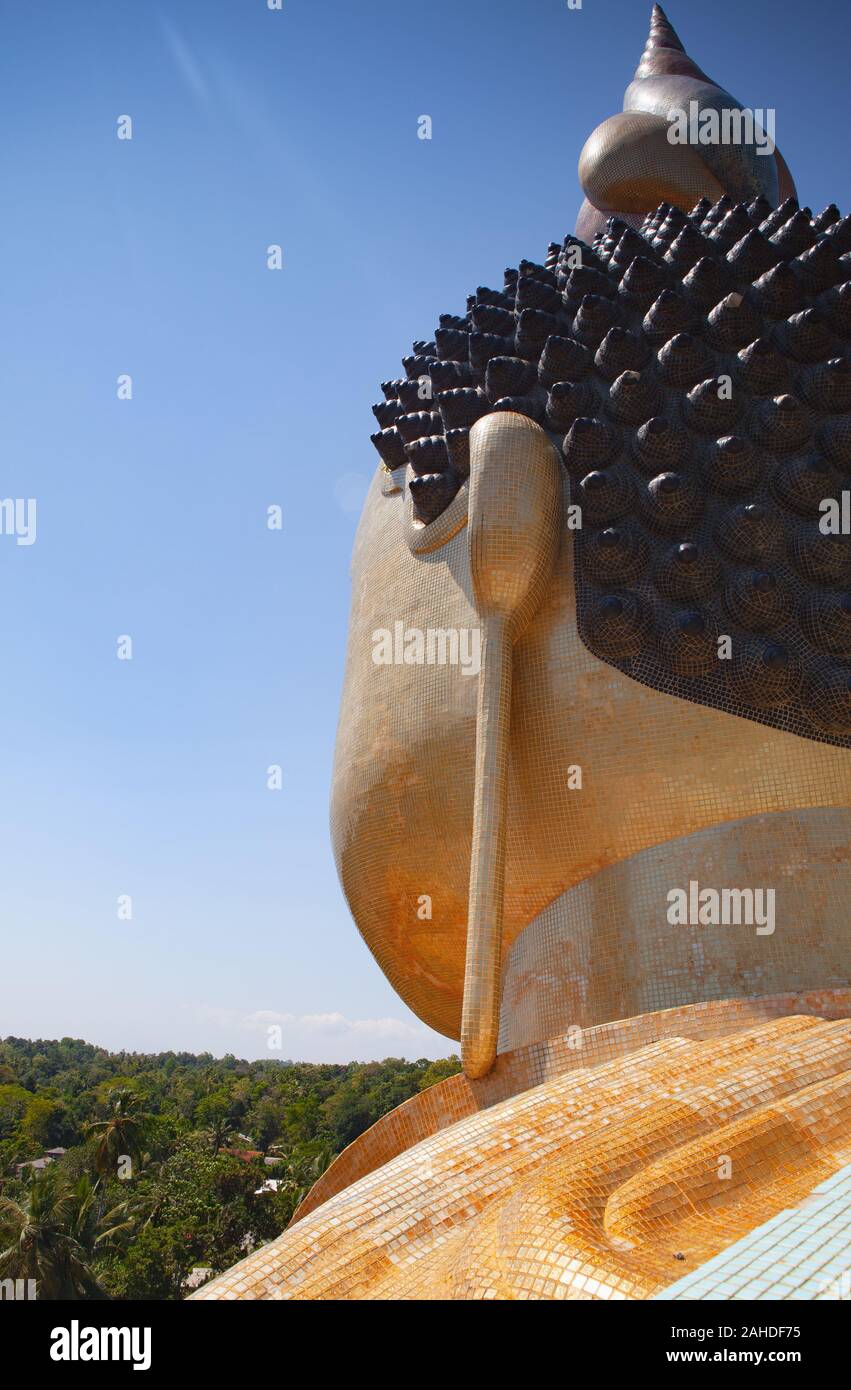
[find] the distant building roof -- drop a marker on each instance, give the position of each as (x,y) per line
(37,1163)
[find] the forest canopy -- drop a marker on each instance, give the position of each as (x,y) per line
(167,1167)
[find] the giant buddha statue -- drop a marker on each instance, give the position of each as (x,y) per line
(591,796)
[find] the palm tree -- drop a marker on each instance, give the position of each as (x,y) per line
(212,1114)
(83,1217)
(88,1223)
(38,1240)
(121,1134)
(135,1212)
(298,1176)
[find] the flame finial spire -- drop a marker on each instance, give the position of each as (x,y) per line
(629,164)
(664,54)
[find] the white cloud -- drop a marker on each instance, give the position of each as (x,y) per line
(184,61)
(332,1024)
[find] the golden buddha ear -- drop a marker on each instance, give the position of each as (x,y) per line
(514,530)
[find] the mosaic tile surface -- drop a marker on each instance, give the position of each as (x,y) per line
(802,1253)
(599,1183)
(440,1106)
(629,731)
(662,1090)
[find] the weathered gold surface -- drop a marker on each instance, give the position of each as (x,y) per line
(605,946)
(654,769)
(606,1181)
(661,1088)
(534,1064)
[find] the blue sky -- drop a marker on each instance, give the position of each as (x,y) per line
(251,388)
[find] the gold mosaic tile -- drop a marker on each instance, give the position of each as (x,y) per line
(510,831)
(607,1180)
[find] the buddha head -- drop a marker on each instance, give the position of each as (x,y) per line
(651,426)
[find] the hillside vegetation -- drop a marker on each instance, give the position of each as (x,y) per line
(174,1164)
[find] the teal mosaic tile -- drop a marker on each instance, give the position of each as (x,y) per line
(800,1254)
